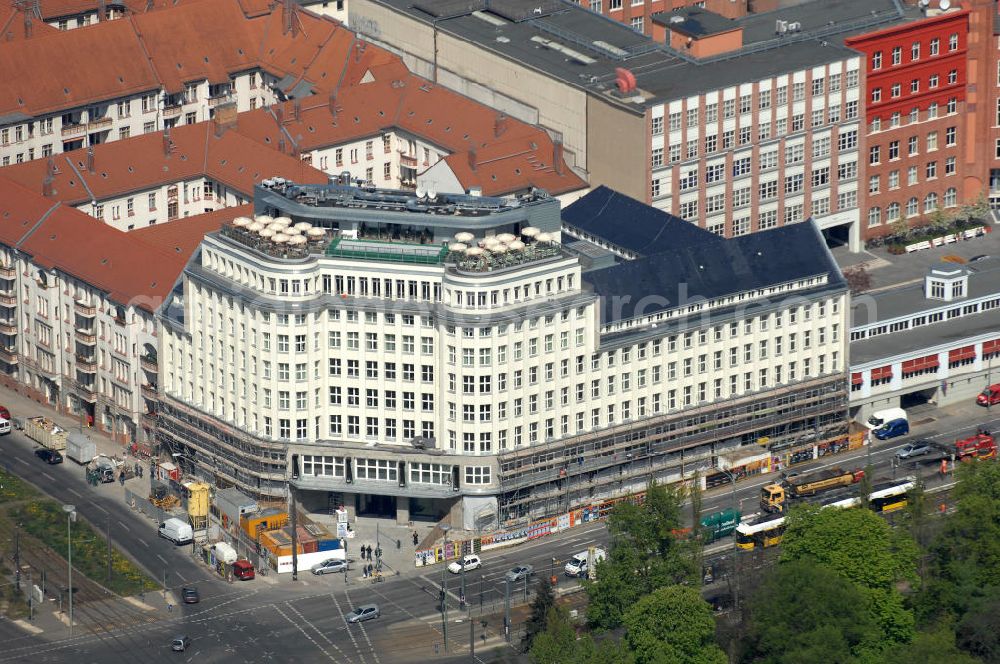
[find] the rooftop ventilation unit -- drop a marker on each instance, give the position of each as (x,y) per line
(780,27)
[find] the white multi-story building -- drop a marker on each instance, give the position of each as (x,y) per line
(77,303)
(380,368)
(933,341)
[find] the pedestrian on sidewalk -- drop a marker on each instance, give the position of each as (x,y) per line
(121,478)
(364,571)
(398,544)
(415,538)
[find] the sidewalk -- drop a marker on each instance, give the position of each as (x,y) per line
(379,532)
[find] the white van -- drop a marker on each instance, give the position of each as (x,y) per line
(880,417)
(577,565)
(4,427)
(176,531)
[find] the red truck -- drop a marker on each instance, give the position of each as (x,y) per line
(980,446)
(990,396)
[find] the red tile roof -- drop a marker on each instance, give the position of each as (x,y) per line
(130,271)
(508,154)
(184,235)
(141,163)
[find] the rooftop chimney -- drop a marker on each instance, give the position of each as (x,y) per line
(499,125)
(297,109)
(224,117)
(471,154)
(332,105)
(281,145)
(90,159)
(47,190)
(557,156)
(168,144)
(279,113)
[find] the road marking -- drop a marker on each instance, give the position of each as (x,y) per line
(143,542)
(183,578)
(318,630)
(304,632)
(45,474)
(124,526)
(350,632)
(96,506)
(20,460)
(75,493)
(163,559)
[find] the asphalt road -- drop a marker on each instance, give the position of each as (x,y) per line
(303,621)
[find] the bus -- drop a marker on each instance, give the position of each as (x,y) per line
(892,497)
(761,534)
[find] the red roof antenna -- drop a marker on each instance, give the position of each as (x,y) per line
(625,80)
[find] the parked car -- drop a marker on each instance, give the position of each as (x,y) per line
(50,457)
(5,413)
(190,595)
(330,566)
(919,448)
(520,572)
(363,613)
(243,569)
(176,531)
(899,427)
(180,643)
(469,562)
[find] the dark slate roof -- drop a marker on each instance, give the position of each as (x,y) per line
(697,270)
(632,225)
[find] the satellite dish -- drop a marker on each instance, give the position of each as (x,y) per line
(924,3)
(945,5)
(432,193)
(420,191)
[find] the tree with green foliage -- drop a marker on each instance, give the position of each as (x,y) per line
(559,644)
(544,600)
(935,645)
(807,612)
(862,547)
(978,632)
(672,624)
(644,555)
(865,487)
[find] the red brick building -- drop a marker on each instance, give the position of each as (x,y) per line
(636,13)
(916,131)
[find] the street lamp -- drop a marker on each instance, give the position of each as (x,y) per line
(444,587)
(70,517)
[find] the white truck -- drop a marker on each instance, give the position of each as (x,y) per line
(177,531)
(578,564)
(880,417)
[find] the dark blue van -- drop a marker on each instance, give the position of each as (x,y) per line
(893,429)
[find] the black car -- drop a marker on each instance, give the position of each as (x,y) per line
(49,456)
(190,595)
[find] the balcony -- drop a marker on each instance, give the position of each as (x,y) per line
(172,111)
(86,336)
(86,391)
(7,300)
(148,362)
(149,391)
(220,99)
(86,363)
(149,420)
(73,130)
(9,355)
(98,124)
(8,327)
(84,309)
(7,273)
(407,160)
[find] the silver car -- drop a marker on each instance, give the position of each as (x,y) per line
(520,572)
(363,613)
(919,448)
(330,566)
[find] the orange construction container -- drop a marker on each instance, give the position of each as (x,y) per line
(270,519)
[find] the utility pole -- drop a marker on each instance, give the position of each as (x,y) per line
(17,556)
(109,550)
(295,537)
(472,639)
(506,610)
(444,588)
